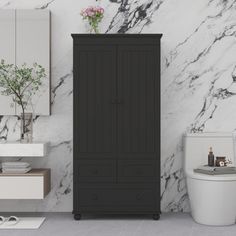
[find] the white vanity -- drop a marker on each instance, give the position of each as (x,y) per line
(32,185)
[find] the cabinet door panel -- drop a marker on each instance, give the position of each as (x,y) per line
(33,45)
(7,53)
(94,89)
(137,121)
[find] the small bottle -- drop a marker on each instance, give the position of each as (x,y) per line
(210,157)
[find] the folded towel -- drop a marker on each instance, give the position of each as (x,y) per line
(15,164)
(15,171)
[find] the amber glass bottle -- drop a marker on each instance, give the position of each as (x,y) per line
(210,157)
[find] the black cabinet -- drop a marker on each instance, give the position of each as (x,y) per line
(116,124)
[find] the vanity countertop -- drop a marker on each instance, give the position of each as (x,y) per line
(33,172)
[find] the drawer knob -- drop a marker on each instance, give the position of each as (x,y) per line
(95,172)
(139,172)
(139,196)
(94,197)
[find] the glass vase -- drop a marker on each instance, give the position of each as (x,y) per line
(26,135)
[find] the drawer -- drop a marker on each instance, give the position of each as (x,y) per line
(117,197)
(96,170)
(137,171)
(32,185)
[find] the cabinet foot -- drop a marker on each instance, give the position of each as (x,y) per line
(156,216)
(77,216)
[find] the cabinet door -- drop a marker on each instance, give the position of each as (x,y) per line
(33,45)
(138,108)
(7,53)
(94,91)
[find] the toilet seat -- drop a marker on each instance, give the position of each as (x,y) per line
(199,176)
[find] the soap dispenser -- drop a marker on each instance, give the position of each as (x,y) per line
(210,157)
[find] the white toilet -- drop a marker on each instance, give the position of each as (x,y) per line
(212,197)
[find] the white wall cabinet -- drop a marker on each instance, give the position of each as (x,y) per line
(25,38)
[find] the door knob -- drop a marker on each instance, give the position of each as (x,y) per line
(139,196)
(139,172)
(94,197)
(95,172)
(119,101)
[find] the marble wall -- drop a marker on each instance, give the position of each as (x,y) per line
(198,84)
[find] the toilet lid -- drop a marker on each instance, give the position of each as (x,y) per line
(225,177)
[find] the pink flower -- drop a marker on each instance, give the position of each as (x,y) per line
(92,11)
(101,10)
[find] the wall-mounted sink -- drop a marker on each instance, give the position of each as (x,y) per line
(16,149)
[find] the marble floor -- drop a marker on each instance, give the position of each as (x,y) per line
(170,224)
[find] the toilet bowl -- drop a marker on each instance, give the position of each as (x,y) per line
(212,197)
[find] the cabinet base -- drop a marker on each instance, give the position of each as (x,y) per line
(156,216)
(77,216)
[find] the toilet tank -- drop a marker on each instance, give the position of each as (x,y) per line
(196,148)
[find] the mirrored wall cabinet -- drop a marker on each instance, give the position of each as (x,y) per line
(25,38)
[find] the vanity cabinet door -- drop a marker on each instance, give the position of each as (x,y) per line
(33,45)
(7,53)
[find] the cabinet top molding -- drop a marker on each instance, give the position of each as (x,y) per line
(138,39)
(116,35)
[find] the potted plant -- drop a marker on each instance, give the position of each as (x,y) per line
(94,15)
(21,82)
